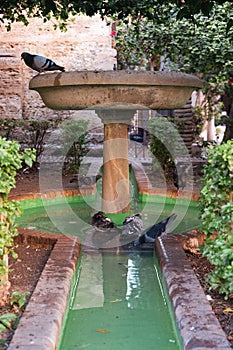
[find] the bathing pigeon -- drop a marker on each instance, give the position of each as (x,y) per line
(160,229)
(132,225)
(40,63)
(101,222)
(105,233)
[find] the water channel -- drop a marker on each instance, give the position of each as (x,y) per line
(119,301)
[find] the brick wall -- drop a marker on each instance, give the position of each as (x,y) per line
(85,45)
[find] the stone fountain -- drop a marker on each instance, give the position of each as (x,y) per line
(115,96)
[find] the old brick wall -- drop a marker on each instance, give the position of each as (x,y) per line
(85,45)
(11,86)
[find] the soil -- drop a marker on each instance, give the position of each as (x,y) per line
(27,268)
(223,309)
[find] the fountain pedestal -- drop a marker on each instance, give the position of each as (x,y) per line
(115,95)
(115,189)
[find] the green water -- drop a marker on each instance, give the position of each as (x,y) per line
(74,217)
(114,307)
(117,307)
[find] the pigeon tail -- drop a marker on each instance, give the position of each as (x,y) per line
(156,230)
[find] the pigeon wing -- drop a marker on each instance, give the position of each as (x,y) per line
(162,227)
(41,63)
(169,222)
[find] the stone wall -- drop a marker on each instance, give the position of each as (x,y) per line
(85,45)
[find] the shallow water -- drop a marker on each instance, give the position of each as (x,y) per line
(119,303)
(75,217)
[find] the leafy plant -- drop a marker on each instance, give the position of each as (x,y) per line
(21,12)
(6,321)
(7,125)
(10,161)
(170,42)
(74,140)
(166,143)
(29,132)
(19,298)
(216,205)
(35,131)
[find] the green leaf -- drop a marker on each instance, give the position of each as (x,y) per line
(7,319)
(2,328)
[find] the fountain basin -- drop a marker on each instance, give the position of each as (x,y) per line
(115,95)
(115,89)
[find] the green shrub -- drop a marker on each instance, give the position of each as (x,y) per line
(29,132)
(166,144)
(35,131)
(10,161)
(216,205)
(74,140)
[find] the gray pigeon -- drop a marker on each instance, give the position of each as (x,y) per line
(40,63)
(132,225)
(156,230)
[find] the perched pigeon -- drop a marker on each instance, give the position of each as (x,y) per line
(149,235)
(132,225)
(40,63)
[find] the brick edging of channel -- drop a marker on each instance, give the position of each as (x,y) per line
(198,325)
(41,323)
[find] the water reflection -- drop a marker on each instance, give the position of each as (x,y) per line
(142,288)
(133,283)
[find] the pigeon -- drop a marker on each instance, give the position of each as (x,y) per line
(132,225)
(101,222)
(104,233)
(40,63)
(156,230)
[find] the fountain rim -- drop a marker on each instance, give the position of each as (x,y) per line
(114,78)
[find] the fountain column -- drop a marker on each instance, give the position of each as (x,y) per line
(115,188)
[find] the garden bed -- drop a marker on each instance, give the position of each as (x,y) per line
(49,286)
(223,309)
(26,270)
